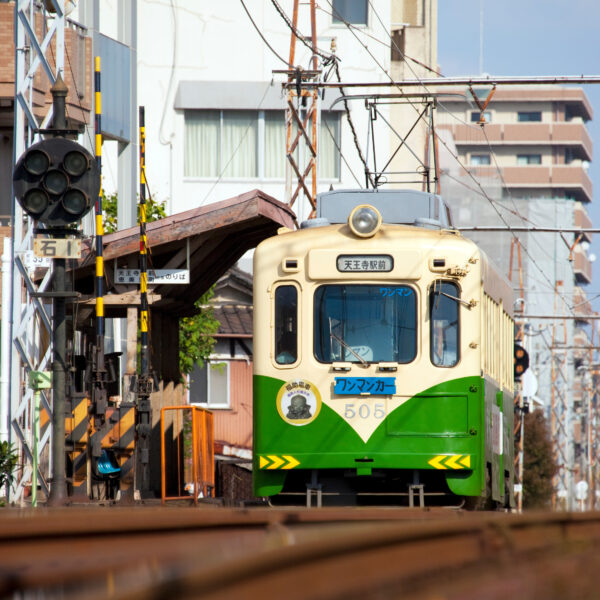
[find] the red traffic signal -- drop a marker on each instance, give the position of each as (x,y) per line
(56,181)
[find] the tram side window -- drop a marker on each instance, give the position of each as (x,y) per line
(443,313)
(286,325)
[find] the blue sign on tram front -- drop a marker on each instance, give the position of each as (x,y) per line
(365,385)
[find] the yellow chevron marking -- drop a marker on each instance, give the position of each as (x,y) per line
(263,462)
(277,462)
(292,462)
(452,462)
(436,462)
(466,461)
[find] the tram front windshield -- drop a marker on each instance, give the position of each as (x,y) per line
(365,323)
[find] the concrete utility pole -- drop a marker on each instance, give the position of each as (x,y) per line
(58,487)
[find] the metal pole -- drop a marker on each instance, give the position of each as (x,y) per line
(58,489)
(5,351)
(99,400)
(144,426)
(36,437)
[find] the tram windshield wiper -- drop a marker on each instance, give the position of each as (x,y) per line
(344,344)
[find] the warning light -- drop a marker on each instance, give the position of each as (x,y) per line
(521,361)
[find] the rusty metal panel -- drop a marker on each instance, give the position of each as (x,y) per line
(233,427)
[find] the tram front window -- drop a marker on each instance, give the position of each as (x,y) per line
(365,323)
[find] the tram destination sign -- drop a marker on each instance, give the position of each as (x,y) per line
(365,263)
(365,386)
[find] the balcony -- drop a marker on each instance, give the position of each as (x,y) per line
(582,267)
(583,307)
(557,179)
(571,135)
(583,220)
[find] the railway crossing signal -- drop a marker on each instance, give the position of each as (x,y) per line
(521,361)
(56,181)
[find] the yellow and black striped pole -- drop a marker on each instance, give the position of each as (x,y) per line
(144,387)
(143,250)
(99,391)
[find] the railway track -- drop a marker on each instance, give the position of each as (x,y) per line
(216,553)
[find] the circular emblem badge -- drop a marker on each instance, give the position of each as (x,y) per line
(298,402)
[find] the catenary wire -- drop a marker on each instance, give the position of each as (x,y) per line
(534,262)
(263,37)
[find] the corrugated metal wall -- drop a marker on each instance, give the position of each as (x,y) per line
(234,427)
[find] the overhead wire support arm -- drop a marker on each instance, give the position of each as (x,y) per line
(467,81)
(533,229)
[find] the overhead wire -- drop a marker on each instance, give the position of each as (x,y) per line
(340,151)
(263,37)
(294,29)
(551,285)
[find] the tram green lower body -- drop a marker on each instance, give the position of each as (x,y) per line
(448,428)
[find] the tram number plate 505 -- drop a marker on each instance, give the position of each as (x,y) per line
(56,248)
(364,411)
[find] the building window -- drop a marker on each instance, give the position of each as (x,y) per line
(529,159)
(444,301)
(529,116)
(569,155)
(478,160)
(250,144)
(209,385)
(476,115)
(349,11)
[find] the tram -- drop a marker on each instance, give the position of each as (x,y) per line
(383,359)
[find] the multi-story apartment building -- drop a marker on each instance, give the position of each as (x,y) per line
(522,163)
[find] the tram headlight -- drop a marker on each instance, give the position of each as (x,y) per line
(364,220)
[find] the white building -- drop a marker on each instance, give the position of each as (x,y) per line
(215,109)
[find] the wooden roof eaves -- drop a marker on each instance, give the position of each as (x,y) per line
(197,221)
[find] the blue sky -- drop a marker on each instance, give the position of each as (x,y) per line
(529,37)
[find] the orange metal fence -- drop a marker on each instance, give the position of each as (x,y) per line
(190,469)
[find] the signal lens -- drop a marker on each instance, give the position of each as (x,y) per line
(75,202)
(56,182)
(36,162)
(75,163)
(35,201)
(364,220)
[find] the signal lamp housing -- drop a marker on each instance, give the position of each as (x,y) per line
(76,163)
(54,181)
(75,202)
(36,162)
(521,361)
(35,202)
(364,220)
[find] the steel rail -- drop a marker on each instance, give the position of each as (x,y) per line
(406,560)
(71,549)
(262,553)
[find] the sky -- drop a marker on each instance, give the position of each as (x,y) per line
(527,38)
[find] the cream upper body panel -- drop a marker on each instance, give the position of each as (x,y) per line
(308,259)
